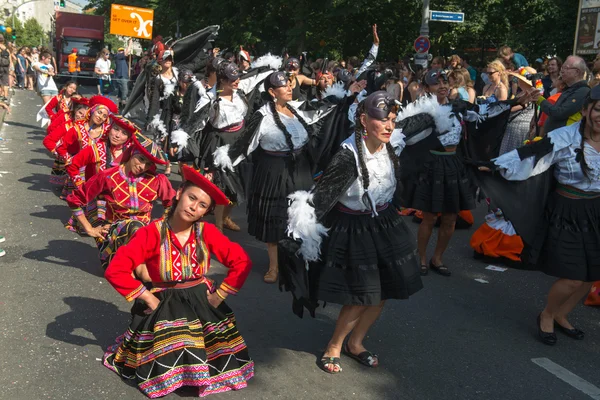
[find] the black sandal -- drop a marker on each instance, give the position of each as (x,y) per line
(366,358)
(424,270)
(442,269)
(335,361)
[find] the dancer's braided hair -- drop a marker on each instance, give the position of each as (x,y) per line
(358,132)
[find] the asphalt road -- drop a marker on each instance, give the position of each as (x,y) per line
(455,339)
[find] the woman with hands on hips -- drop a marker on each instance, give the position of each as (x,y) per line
(185,306)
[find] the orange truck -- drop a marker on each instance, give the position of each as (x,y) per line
(83,32)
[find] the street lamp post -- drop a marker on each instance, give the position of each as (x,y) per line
(423,57)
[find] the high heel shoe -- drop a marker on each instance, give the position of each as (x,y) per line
(548,338)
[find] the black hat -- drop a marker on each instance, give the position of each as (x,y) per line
(292,62)
(186,76)
(343,75)
(276,80)
(380,104)
(216,62)
(433,76)
(229,71)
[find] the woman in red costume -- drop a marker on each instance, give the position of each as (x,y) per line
(105,154)
(129,190)
(181,333)
(60,126)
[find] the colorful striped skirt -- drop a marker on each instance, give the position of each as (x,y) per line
(58,175)
(185,341)
(95,213)
(119,234)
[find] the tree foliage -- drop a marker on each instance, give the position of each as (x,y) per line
(338,28)
(31,34)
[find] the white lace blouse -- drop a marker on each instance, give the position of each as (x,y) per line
(382,180)
(566,143)
(271,138)
(229,112)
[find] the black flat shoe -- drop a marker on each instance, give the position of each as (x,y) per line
(548,338)
(424,270)
(572,333)
(442,269)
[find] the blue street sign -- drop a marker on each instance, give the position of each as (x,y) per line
(422,44)
(446,16)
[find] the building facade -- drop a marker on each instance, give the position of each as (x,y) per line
(41,10)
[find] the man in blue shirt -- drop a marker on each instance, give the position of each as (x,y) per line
(518,60)
(122,73)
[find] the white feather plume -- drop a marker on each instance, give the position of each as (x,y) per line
(159,125)
(268,60)
(169,90)
(442,115)
(222,159)
(337,90)
(180,138)
(397,141)
(303,225)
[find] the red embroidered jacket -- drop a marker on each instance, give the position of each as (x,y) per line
(57,105)
(78,138)
(54,135)
(127,197)
(94,159)
(170,261)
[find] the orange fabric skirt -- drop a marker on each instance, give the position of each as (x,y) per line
(495,243)
(593,298)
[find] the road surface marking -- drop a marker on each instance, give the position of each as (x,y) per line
(569,377)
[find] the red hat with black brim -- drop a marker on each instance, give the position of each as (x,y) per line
(148,149)
(190,174)
(104,101)
(81,100)
(125,124)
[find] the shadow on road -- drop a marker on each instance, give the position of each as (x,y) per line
(97,317)
(41,151)
(69,253)
(37,128)
(41,183)
(43,162)
(54,212)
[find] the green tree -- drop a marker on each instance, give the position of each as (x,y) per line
(32,34)
(16,27)
(342,27)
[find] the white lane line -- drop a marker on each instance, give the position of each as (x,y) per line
(568,377)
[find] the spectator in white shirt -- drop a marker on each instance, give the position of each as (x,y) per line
(45,71)
(103,71)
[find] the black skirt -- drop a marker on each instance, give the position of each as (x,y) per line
(444,186)
(231,183)
(274,178)
(567,243)
(184,342)
(365,260)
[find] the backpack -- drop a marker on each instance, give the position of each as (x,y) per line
(4,58)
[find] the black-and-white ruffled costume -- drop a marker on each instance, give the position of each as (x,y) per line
(347,246)
(561,226)
(191,53)
(218,122)
(277,169)
(435,180)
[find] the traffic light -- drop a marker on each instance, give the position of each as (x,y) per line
(14,34)
(62,3)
